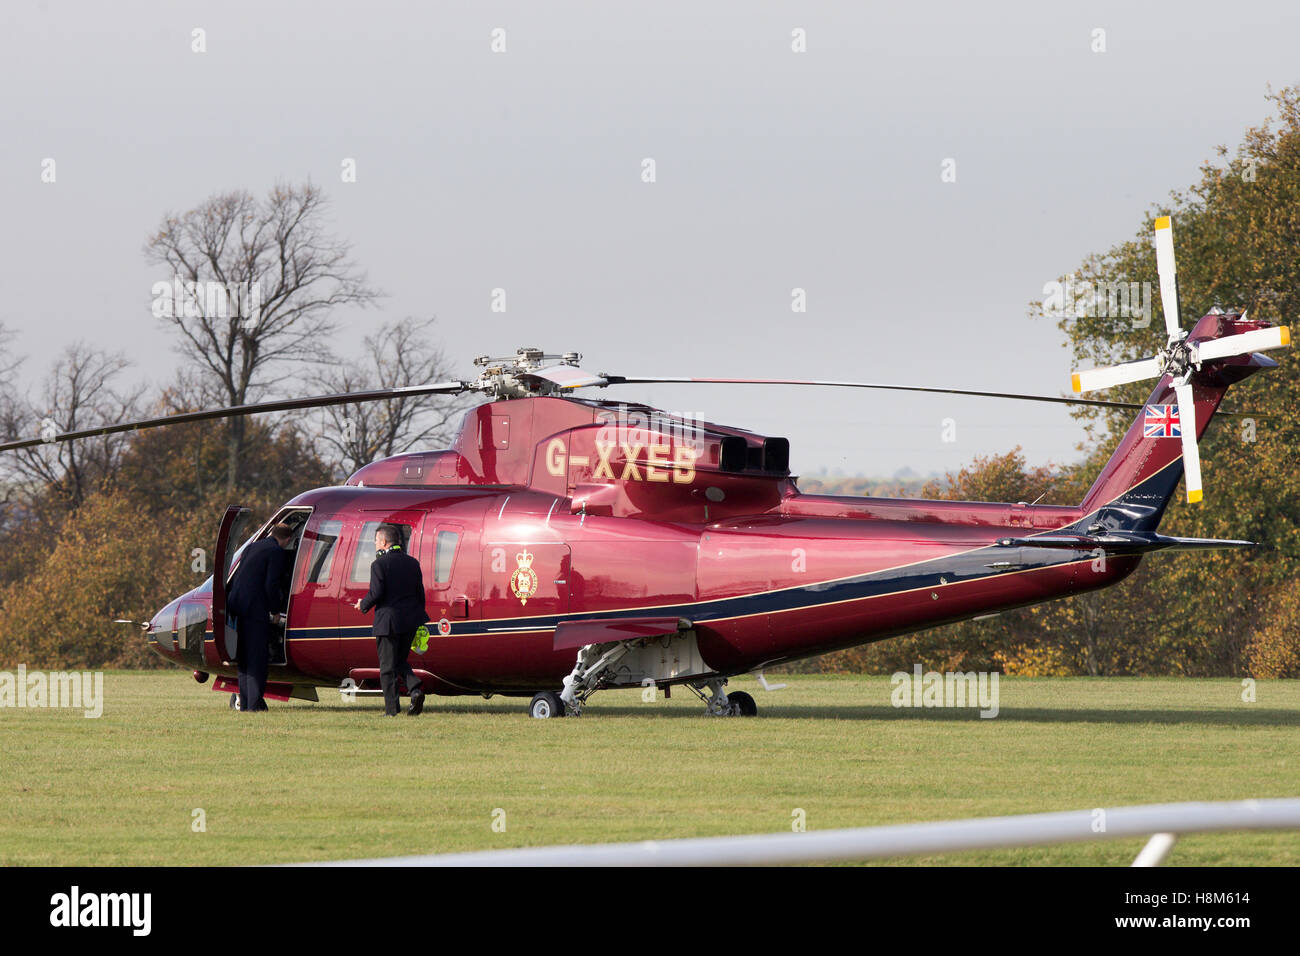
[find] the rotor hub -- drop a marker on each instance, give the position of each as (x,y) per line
(513,376)
(1177,359)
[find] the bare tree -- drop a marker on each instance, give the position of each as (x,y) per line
(11,414)
(11,419)
(79,392)
(254,284)
(9,362)
(399,354)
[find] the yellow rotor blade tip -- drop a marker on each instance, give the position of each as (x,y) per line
(1286,335)
(1162,222)
(1194,496)
(1074,380)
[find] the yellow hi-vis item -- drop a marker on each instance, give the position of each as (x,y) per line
(420,643)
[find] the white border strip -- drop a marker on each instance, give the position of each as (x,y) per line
(867,843)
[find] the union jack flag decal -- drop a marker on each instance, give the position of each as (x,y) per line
(1161,421)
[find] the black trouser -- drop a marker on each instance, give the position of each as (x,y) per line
(393,650)
(254,641)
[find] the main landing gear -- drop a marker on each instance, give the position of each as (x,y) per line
(590,673)
(742,704)
(546,704)
(718,703)
(593,670)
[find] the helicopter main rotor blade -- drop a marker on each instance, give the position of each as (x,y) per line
(564,376)
(284,405)
(642,380)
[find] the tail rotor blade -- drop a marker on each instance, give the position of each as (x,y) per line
(1191,454)
(1090,380)
(1255,341)
(1168,276)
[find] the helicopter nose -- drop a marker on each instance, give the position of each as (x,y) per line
(160,632)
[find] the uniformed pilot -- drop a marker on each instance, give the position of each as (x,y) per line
(397,595)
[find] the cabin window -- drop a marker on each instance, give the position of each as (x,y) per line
(191,624)
(365,555)
(323,543)
(444,555)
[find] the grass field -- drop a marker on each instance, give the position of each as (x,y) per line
(335,780)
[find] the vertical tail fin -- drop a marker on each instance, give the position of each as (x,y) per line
(1136,484)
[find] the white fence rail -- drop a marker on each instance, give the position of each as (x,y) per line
(1163,822)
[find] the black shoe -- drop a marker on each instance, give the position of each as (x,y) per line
(417,704)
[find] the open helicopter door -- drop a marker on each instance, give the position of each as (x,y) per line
(236,525)
(296,519)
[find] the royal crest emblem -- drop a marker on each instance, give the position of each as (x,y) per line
(523,582)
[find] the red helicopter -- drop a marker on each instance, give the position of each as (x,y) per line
(573,545)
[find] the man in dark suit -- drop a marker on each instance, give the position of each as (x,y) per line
(397,595)
(256,595)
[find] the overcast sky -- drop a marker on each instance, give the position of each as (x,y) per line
(522,170)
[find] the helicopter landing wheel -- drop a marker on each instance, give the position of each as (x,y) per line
(546,704)
(234,702)
(742,705)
